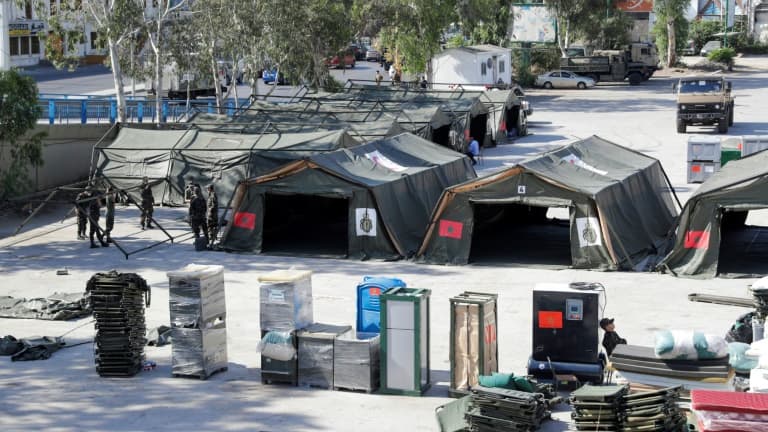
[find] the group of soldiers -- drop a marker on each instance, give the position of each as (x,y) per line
(203,213)
(88,207)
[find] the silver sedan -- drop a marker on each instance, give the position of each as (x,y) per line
(563,79)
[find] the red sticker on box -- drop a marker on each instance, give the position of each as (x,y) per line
(551,319)
(375,292)
(695,168)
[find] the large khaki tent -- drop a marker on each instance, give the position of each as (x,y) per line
(505,114)
(171,158)
(370,201)
(712,237)
(617,204)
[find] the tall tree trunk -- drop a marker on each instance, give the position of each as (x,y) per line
(216,81)
(158,73)
(117,76)
(671,43)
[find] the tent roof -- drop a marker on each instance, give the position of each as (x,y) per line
(145,139)
(385,160)
(589,165)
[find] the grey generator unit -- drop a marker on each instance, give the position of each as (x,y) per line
(316,353)
(565,322)
(198,320)
(356,362)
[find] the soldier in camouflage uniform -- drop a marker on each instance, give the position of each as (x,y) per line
(212,214)
(94,212)
(109,201)
(197,213)
(147,204)
(82,212)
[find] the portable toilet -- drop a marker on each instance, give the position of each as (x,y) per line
(368,306)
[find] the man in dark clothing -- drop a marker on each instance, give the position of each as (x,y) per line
(82,213)
(147,204)
(94,212)
(109,202)
(197,208)
(611,338)
(212,214)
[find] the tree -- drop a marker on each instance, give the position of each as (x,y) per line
(19,112)
(572,16)
(670,27)
(493,25)
(115,21)
(701,31)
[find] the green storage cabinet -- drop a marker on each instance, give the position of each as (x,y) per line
(405,341)
(473,345)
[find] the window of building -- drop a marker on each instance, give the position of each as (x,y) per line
(35,45)
(28,9)
(501,66)
(14,46)
(24,45)
(483,69)
(94,40)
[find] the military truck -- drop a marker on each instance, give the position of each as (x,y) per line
(637,63)
(704,100)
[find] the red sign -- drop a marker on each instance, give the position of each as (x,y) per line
(695,168)
(503,126)
(635,5)
(490,333)
(375,292)
(697,240)
(551,319)
(245,220)
(451,229)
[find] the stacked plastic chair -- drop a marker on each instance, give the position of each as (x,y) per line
(598,408)
(118,301)
(502,410)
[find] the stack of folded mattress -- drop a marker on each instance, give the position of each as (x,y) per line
(502,410)
(597,408)
(640,365)
(652,411)
(727,411)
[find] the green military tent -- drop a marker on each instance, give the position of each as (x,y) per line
(370,201)
(712,237)
(617,208)
(505,114)
(172,158)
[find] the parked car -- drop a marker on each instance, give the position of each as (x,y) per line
(372,55)
(335,62)
(563,79)
(356,51)
(270,76)
(709,47)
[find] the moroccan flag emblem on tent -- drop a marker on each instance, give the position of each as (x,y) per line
(503,126)
(697,240)
(450,229)
(245,220)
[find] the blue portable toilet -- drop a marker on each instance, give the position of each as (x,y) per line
(368,307)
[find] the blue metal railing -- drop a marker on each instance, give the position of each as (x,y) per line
(67,109)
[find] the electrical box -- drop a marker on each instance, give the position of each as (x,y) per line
(565,322)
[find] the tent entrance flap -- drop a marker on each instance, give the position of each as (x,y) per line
(513,233)
(442,136)
(743,243)
(478,127)
(305,224)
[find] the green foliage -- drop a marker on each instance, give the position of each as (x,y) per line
(455,41)
(674,9)
(722,55)
(19,112)
(701,32)
(492,27)
(755,49)
(606,32)
(545,59)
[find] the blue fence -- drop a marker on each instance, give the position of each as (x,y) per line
(65,109)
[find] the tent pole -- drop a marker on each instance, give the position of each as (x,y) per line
(91,168)
(34,212)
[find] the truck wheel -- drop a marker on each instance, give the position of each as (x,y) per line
(730,117)
(635,78)
(547,85)
(581,85)
(681,126)
(722,126)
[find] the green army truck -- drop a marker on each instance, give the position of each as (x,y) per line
(637,63)
(704,100)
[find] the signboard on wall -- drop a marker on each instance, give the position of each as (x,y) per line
(25,28)
(533,23)
(635,5)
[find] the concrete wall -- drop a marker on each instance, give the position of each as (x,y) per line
(66,153)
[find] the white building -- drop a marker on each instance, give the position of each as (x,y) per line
(471,66)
